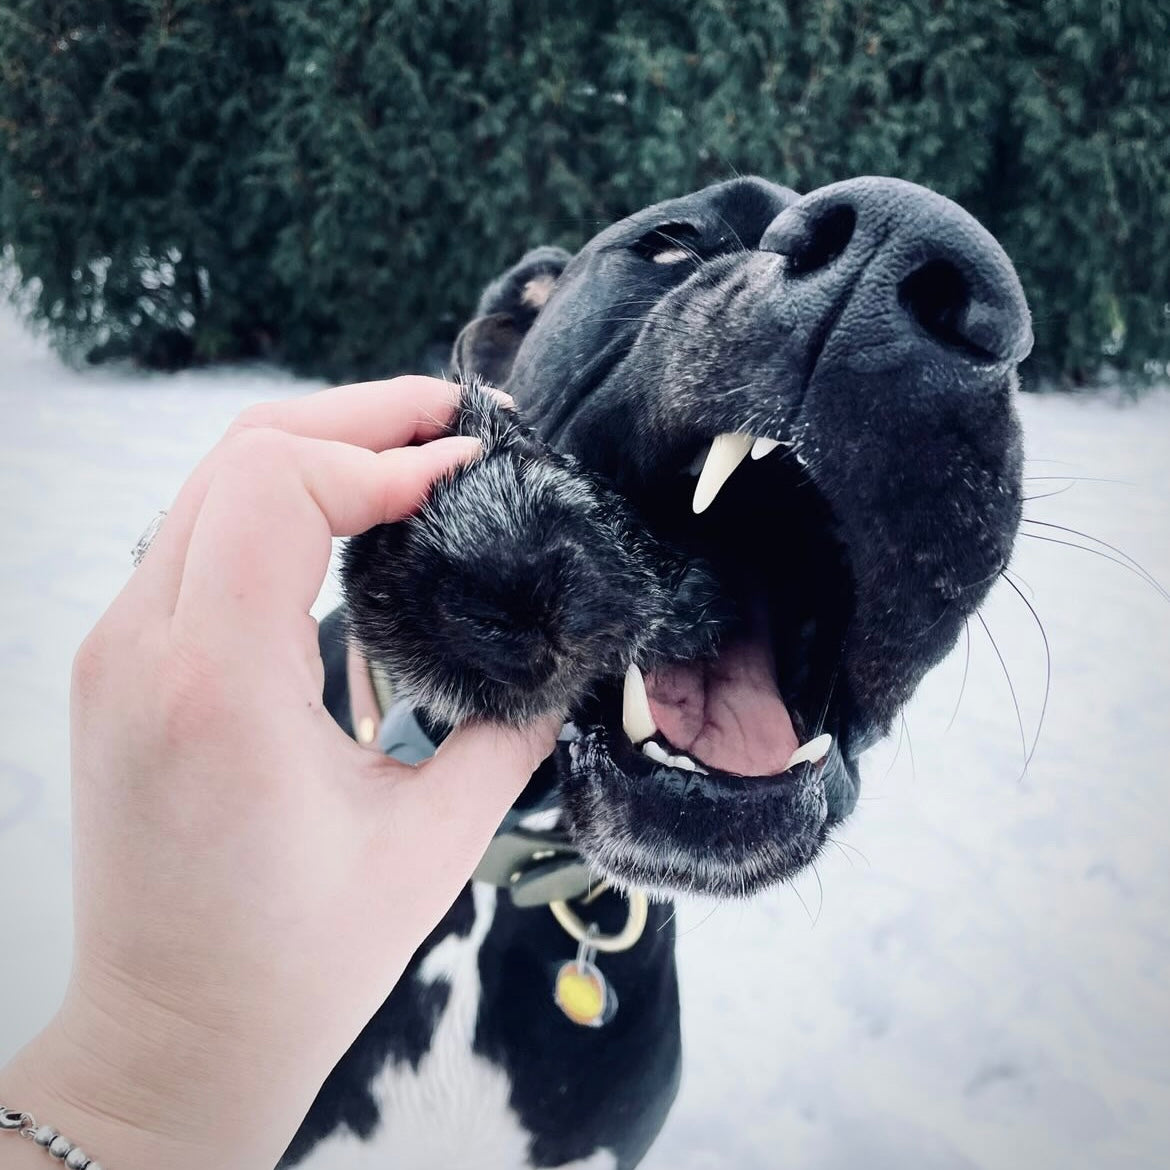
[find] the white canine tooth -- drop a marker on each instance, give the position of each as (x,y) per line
(814,750)
(637,722)
(655,751)
(727,452)
(570,733)
(762,447)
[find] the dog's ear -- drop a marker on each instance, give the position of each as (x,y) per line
(487,345)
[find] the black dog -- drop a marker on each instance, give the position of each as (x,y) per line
(773,466)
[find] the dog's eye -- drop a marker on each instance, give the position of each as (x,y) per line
(671,243)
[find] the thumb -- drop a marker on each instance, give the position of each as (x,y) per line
(488,764)
(472,780)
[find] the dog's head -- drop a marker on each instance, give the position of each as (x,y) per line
(815,395)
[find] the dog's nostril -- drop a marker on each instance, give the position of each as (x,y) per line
(822,241)
(938,297)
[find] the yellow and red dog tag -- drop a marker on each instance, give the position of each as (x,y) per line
(582,993)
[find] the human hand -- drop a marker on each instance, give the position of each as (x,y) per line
(249,883)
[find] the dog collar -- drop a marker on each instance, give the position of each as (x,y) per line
(535,867)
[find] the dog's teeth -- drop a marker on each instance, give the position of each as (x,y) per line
(570,733)
(686,764)
(762,447)
(637,722)
(727,452)
(655,751)
(814,750)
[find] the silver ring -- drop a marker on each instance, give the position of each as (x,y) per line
(147,538)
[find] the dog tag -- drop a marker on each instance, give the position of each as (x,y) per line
(582,993)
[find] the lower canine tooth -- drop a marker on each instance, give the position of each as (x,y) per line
(762,447)
(637,722)
(814,750)
(727,452)
(656,752)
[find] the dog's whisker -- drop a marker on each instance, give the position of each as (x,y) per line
(1008,577)
(1135,565)
(683,246)
(669,919)
(820,725)
(703,921)
(632,303)
(1049,495)
(1021,582)
(837,845)
(966,668)
(735,174)
(910,748)
(600,316)
(1097,553)
(820,890)
(1080,479)
(740,245)
(665,324)
(655,313)
(804,904)
(897,752)
(846,845)
(1011,690)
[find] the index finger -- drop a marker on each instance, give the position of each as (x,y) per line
(394,412)
(261,543)
(374,415)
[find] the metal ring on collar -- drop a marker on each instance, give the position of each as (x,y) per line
(606,943)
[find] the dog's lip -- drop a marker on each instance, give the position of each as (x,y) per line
(713,785)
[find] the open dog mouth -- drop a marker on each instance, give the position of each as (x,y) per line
(768,453)
(736,754)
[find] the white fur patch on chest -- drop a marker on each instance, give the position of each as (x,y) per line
(452,1112)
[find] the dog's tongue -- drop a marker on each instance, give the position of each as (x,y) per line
(726,714)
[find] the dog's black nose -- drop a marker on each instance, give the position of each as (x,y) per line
(909,264)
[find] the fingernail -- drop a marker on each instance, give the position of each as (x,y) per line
(505,400)
(464,448)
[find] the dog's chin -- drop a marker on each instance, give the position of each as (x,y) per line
(670,831)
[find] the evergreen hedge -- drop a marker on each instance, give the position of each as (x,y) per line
(330,182)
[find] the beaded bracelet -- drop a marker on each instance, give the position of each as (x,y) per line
(56,1145)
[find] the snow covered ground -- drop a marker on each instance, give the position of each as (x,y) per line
(979,976)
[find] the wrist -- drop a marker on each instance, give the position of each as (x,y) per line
(150,1090)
